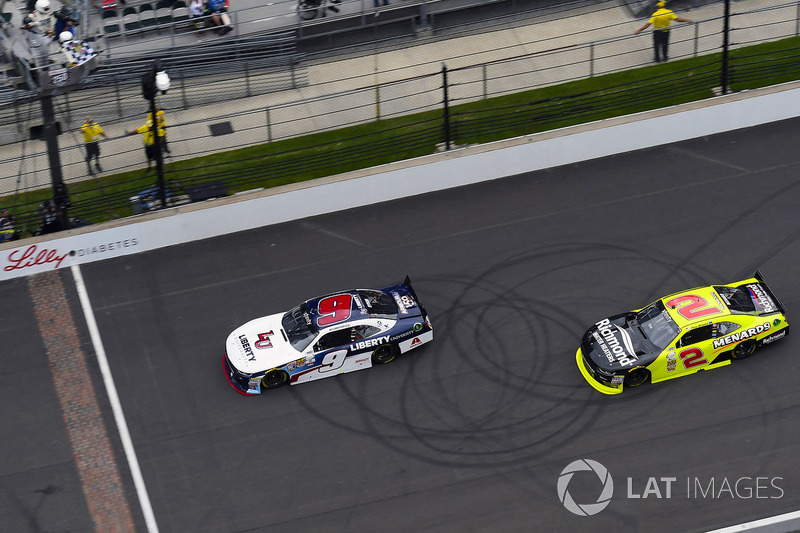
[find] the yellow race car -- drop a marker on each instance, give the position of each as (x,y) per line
(697,329)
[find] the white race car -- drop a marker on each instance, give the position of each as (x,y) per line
(326,336)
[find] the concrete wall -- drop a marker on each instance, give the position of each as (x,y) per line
(458,167)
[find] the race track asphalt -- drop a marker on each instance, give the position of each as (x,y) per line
(471,432)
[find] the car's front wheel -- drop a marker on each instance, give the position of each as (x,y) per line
(636,376)
(274,379)
(744,349)
(385,353)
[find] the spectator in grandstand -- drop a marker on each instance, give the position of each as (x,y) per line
(149,141)
(91,138)
(219,16)
(198,12)
(161,122)
(661,20)
(196,8)
(66,20)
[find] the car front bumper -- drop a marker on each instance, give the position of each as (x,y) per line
(587,374)
(231,374)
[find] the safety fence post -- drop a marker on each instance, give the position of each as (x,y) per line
(119,97)
(726,28)
(485,83)
(446,108)
(269,126)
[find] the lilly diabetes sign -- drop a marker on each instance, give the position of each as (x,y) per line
(60,253)
(596,487)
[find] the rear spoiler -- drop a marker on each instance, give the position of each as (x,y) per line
(760,279)
(407,283)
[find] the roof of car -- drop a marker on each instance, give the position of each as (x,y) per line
(338,309)
(693,305)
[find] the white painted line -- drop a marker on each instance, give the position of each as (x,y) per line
(116,406)
(784,523)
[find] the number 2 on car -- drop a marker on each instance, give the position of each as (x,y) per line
(695,309)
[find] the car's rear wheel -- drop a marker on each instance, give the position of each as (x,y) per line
(744,350)
(636,376)
(385,353)
(274,379)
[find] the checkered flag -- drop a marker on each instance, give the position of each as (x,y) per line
(80,51)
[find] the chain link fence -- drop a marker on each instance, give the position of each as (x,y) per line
(264,92)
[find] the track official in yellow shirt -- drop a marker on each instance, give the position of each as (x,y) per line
(162,125)
(661,21)
(149,140)
(91,138)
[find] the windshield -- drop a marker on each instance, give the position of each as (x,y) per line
(298,327)
(656,325)
(379,303)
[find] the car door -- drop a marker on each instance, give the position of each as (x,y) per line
(693,350)
(338,352)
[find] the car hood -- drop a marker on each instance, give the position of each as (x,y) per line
(612,344)
(260,345)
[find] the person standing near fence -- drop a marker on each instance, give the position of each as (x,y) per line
(149,141)
(161,122)
(91,138)
(219,16)
(661,21)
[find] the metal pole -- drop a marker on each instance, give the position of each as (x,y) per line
(67,108)
(17,104)
(485,83)
(424,19)
(51,138)
(446,108)
(247,80)
(119,99)
(156,137)
(377,86)
(797,20)
(725,31)
(183,90)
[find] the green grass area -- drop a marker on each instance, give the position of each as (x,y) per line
(384,141)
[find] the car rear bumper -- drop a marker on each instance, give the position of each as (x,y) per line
(587,374)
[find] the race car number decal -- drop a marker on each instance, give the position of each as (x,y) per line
(698,307)
(332,361)
(263,340)
(692,357)
(334,309)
